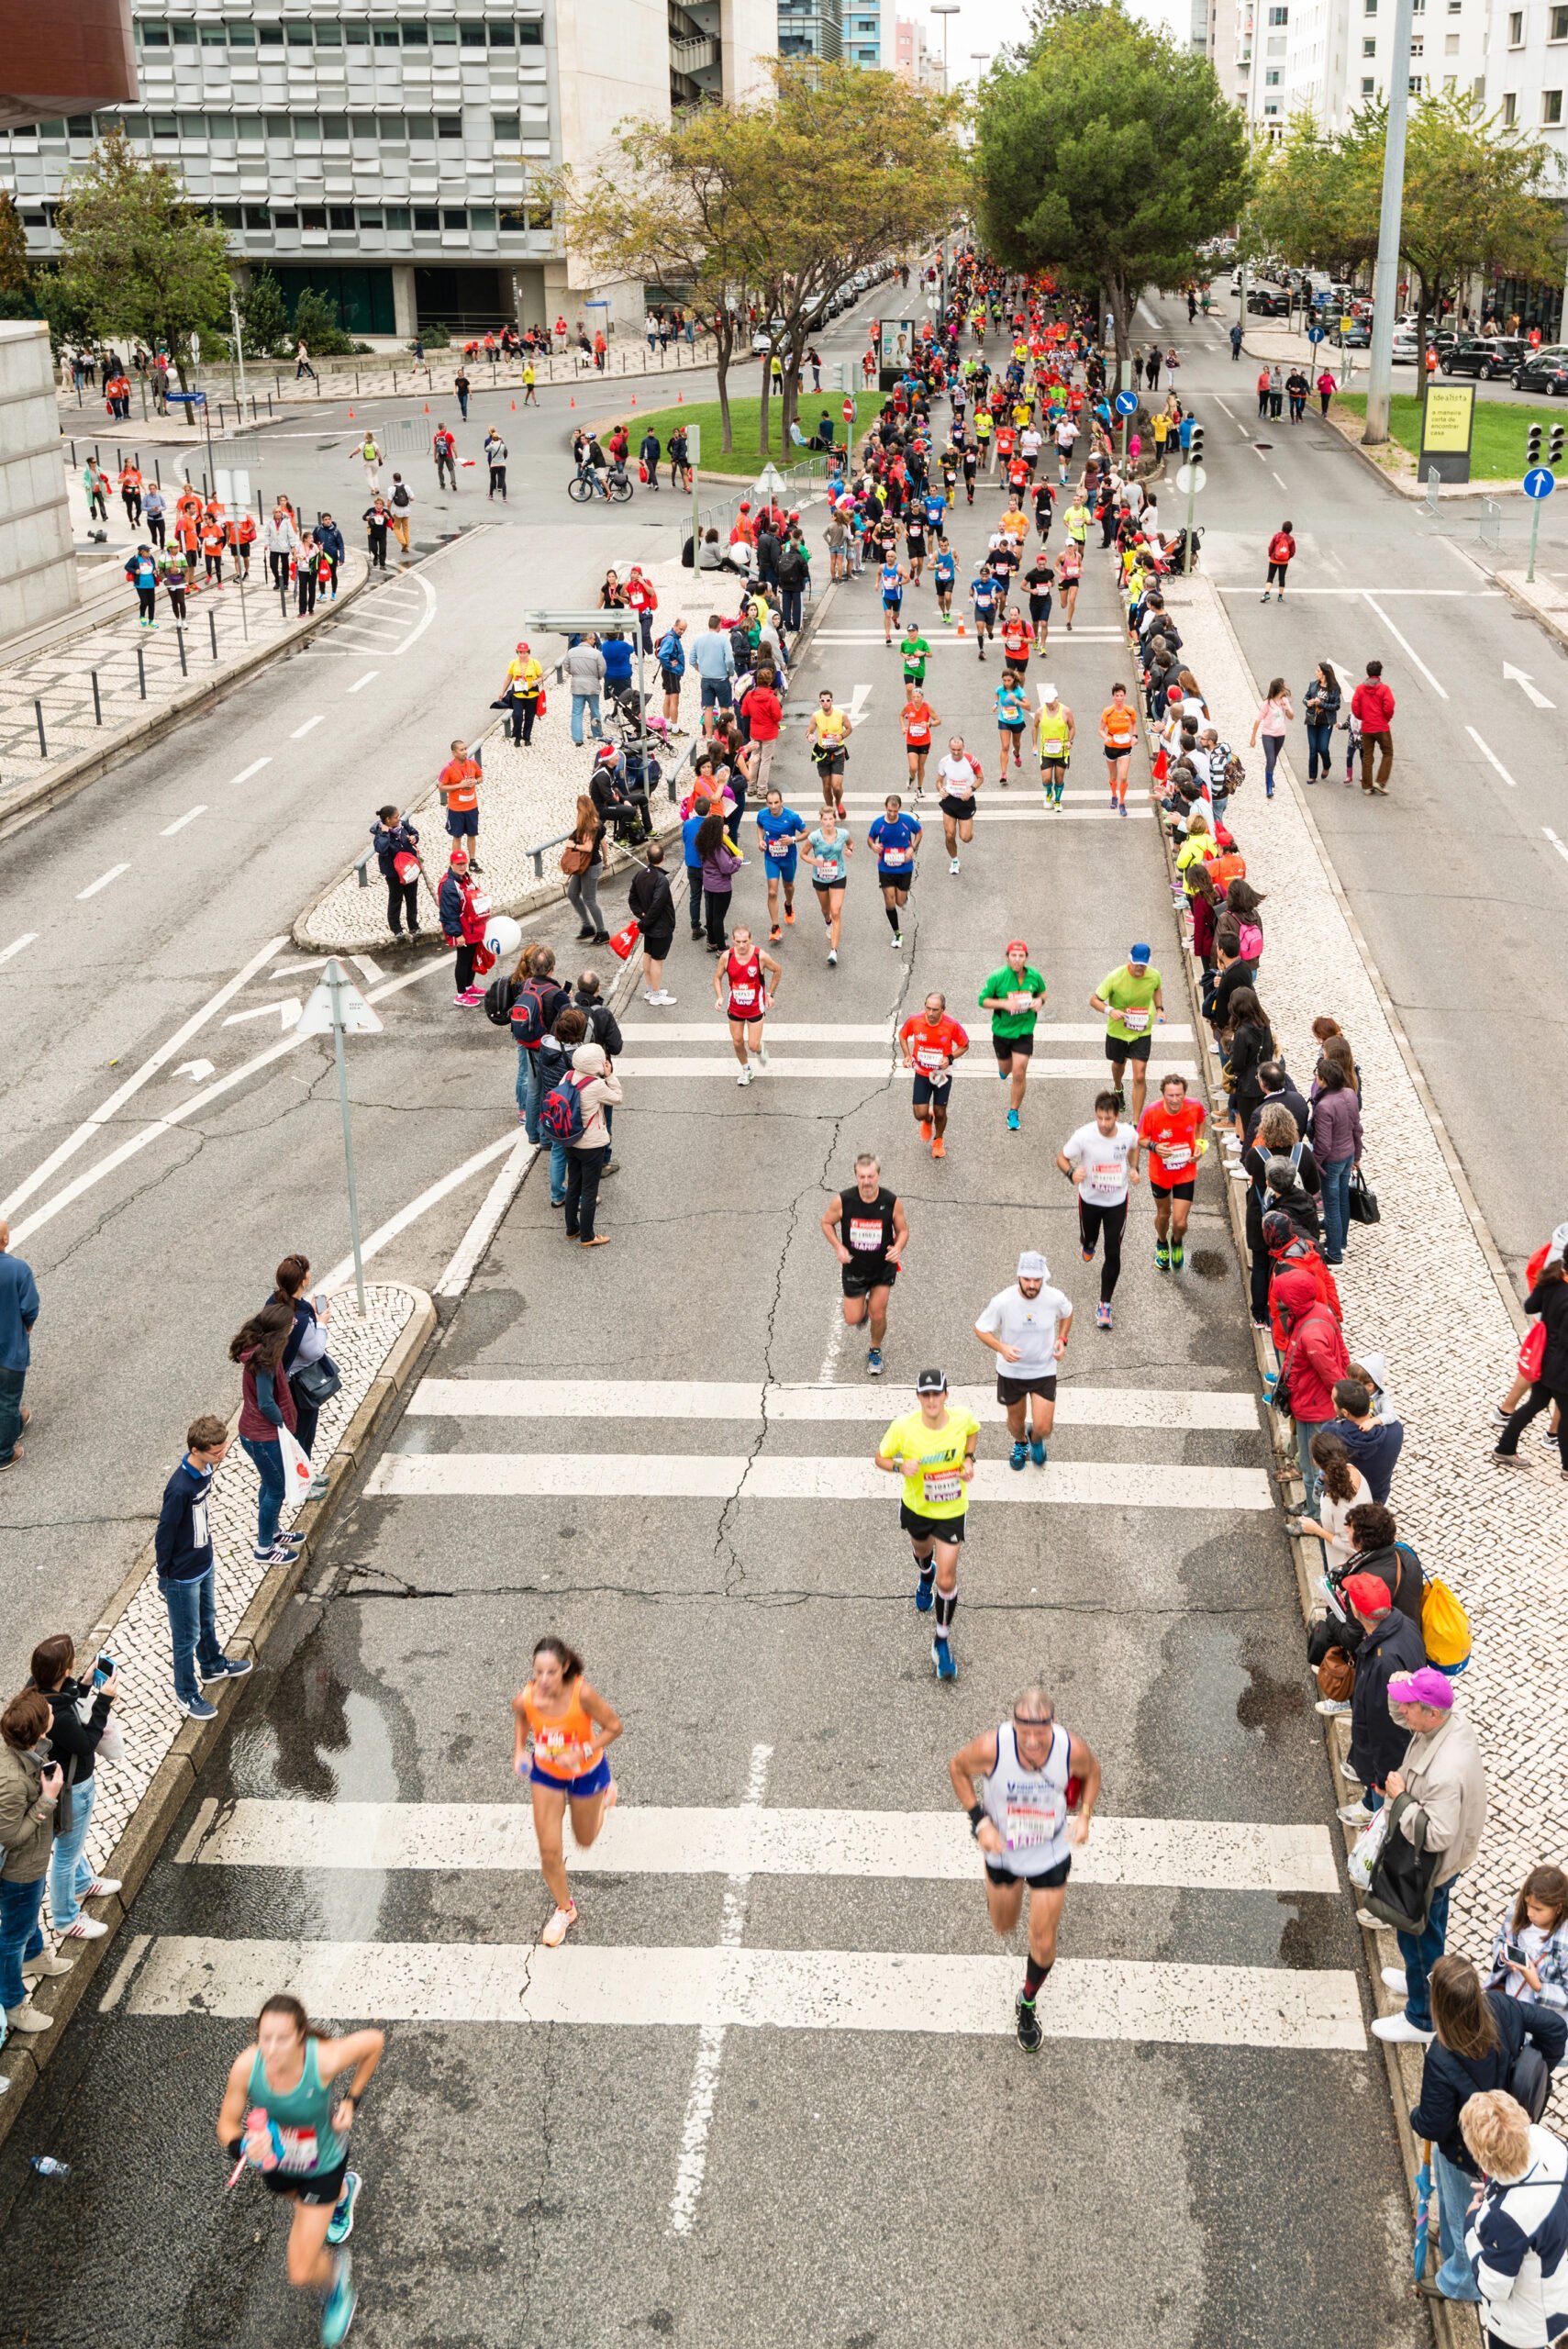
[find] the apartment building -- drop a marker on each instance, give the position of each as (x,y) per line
(396,153)
(865,37)
(1330,57)
(814,29)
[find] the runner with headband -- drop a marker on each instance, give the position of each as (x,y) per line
(560,1727)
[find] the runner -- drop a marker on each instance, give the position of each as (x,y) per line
(891,578)
(830,852)
(1030,1787)
(915,653)
(961,778)
(868,1232)
(278,2116)
(1133,999)
(828,732)
(781,831)
(982,594)
(933,1450)
(1069,577)
(1171,1128)
(1012,711)
(1039,579)
(740,990)
(1102,1159)
(1016,995)
(1018,642)
(932,1044)
(920,717)
(897,840)
(1119,724)
(943,572)
(560,1727)
(1027,1328)
(1055,730)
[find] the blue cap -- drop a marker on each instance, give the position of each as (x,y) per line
(1141,955)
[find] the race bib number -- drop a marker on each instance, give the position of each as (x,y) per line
(943,1485)
(866,1237)
(1174,1154)
(743,992)
(928,1056)
(298,2148)
(1135,1022)
(895,855)
(1105,1174)
(1020,1003)
(1030,1824)
(827,871)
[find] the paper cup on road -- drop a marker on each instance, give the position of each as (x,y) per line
(503,936)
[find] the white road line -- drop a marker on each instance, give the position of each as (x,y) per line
(102,882)
(372,971)
(287,1007)
(133,1084)
(926,1847)
(486,1222)
(135,1951)
(245,773)
(698,2121)
(824,1071)
(606,1400)
(360,683)
(180,822)
(837,1331)
(312,963)
(1493,595)
(848,1031)
(1405,644)
(385,1233)
(310,723)
(835,1476)
(1557,844)
(1154,2002)
(27,938)
(1277,478)
(1491,758)
(1224,408)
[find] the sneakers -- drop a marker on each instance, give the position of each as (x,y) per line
(938,1147)
(230,1667)
(198,1710)
(745,1075)
(1178,1255)
(341,2301)
(954,865)
(925,1591)
(1038,1452)
(774,936)
(1401,2030)
(1030,2031)
(1013,1121)
(874,1365)
(102,1887)
(1355,1814)
(761,1063)
(341,2226)
(27,2018)
(832,958)
(1161,1257)
(660,994)
(85,1929)
(560,1923)
(280,1555)
(1330,1705)
(1102,1316)
(789,918)
(45,1966)
(1394,1978)
(1020,1454)
(942,1657)
(927,1129)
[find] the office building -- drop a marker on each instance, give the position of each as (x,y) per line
(812,28)
(913,59)
(396,153)
(864,33)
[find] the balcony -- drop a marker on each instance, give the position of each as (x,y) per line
(695,55)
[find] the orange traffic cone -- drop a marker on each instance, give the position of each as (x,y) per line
(634,399)
(679,399)
(572,401)
(513,407)
(960,629)
(351,416)
(426,408)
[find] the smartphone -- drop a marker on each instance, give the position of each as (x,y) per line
(103,1668)
(1513,1953)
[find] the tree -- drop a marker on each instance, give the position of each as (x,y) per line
(1107,151)
(263,316)
(137,257)
(1309,208)
(16,270)
(1474,201)
(315,324)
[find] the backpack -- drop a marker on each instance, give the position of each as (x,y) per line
(561,1114)
(400,497)
(498,1000)
(526,1015)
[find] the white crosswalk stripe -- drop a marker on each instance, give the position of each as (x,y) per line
(848,1031)
(1078,1072)
(607,1400)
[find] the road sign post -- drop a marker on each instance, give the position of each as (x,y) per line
(1127,408)
(336,1004)
(1190,476)
(1539,484)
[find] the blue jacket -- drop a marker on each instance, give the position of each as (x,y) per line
(617,651)
(1447,2079)
(330,538)
(671,653)
(19,1312)
(448,905)
(182,1544)
(1373,1451)
(689,831)
(392,841)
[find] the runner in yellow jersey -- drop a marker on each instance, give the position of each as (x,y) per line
(828,731)
(933,1450)
(1054,730)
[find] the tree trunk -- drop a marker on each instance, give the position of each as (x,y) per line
(723,350)
(762,398)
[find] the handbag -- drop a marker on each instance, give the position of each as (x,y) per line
(111,1743)
(297,1471)
(1532,1352)
(319,1381)
(1404,1875)
(1337,1676)
(1364,1851)
(1360,1204)
(575,858)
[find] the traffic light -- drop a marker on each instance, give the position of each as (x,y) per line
(1194,446)
(1532,445)
(1554,446)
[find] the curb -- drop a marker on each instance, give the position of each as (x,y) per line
(53,791)
(1554,627)
(148,1827)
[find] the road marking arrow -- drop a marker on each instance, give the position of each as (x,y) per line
(288,1011)
(197,1071)
(1523,683)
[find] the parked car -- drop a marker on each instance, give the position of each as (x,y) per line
(1545,370)
(1407,350)
(1357,336)
(1498,356)
(1269,302)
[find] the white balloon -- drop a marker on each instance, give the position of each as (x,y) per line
(504,936)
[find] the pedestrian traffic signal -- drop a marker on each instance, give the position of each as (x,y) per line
(1554,447)
(1532,445)
(1194,446)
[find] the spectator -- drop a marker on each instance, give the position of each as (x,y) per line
(1314,1357)
(719,865)
(1480,2036)
(1372,706)
(617,802)
(280,544)
(1251,1043)
(19,1312)
(1389,1645)
(266,1410)
(604,1030)
(1280,1092)
(1530,1948)
(582,860)
(713,658)
(523,692)
(1375,1444)
(1533,1344)
(1336,1145)
(1548,1298)
(328,538)
(1445,1778)
(183,1547)
(671,655)
(397,843)
(312,1374)
(1340,1487)
(537,1004)
(80,1717)
(1287,1193)
(554,1065)
(793,569)
(652,908)
(1236,973)
(584,667)
(617,651)
(1272,1133)
(29,1790)
(1515,2240)
(588,1150)
(463,914)
(1376,1549)
(692,822)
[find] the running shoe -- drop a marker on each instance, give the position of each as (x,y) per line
(833,957)
(1161,1258)
(925,1591)
(954,867)
(761,1056)
(789,916)
(1178,1255)
(1036,1451)
(774,936)
(560,1923)
(341,2226)
(1102,1316)
(897,939)
(1012,1122)
(1121,808)
(938,1147)
(341,2301)
(874,1364)
(1501,1416)
(1087,1254)
(927,1129)
(1030,2031)
(942,1657)
(745,1076)
(1020,1454)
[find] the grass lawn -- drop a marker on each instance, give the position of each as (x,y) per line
(1497,446)
(746,459)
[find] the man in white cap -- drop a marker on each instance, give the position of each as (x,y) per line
(1054,729)
(1027,1328)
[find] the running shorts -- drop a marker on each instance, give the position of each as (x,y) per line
(1186,1190)
(595,1781)
(321,2189)
(462,823)
(1050,1880)
(960,810)
(1013,1390)
(865,1274)
(936,1529)
(782,868)
(932,1089)
(1006,1046)
(1127,1048)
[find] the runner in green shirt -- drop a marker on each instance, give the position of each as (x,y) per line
(1132,995)
(915,653)
(1014,997)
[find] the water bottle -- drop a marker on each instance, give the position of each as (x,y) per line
(47,2167)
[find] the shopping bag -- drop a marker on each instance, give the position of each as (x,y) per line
(1363,1854)
(622,943)
(297,1470)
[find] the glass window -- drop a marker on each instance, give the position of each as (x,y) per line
(357,36)
(1279,16)
(1510,110)
(449,125)
(1559,25)
(514,219)
(154,36)
(185,36)
(279,126)
(444,36)
(80,126)
(416,37)
(1516,30)
(285,219)
(307,129)
(335,126)
(421,125)
(220,126)
(241,35)
(471,36)
(52,130)
(1367,85)
(482,217)
(248,130)
(135,124)
(369,219)
(328,36)
(271,36)
(426,220)
(1369,48)
(313,215)
(165,126)
(386,36)
(339,215)
(530,33)
(454,219)
(228,212)
(392,129)
(1551,105)
(257,216)
(213,37)
(505,126)
(297,36)
(397,217)
(502,37)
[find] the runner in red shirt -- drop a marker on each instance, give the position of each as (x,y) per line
(740,989)
(1281,546)
(918,719)
(458,784)
(1170,1130)
(932,1044)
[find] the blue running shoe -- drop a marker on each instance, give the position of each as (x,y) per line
(873,1362)
(925,1591)
(341,2226)
(1037,1452)
(1020,1454)
(941,1657)
(1012,1122)
(341,2301)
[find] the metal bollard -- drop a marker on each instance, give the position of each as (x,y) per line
(537,855)
(97,702)
(212,629)
(180,640)
(141,671)
(43,745)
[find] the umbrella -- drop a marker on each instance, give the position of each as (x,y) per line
(1423,2207)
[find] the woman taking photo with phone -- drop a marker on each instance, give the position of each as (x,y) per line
(561,1729)
(81,1710)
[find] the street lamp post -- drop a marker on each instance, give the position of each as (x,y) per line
(944,9)
(1386,284)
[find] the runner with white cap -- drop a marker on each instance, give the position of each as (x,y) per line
(933,1450)
(1027,1328)
(1054,729)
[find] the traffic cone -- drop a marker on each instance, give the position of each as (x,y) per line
(634,399)
(513,407)
(679,399)
(572,401)
(961,627)
(351,416)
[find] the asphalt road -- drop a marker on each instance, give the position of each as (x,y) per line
(862,2154)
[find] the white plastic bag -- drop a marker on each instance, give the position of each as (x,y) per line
(1363,1855)
(297,1470)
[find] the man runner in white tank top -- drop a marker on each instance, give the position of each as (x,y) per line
(1030,1787)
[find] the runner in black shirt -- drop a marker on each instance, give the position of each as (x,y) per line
(866,1228)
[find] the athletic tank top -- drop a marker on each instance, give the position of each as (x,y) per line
(1054,727)
(299,2118)
(567,1748)
(745,986)
(1029,1807)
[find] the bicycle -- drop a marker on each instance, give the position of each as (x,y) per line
(584,487)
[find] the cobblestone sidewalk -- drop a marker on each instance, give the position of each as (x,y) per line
(1419,1286)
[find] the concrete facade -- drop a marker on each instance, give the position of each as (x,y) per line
(1279,58)
(38,568)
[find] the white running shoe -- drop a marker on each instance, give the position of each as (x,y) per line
(762,1055)
(954,867)
(745,1076)
(559,1925)
(833,956)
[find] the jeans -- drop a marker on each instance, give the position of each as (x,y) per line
(694,897)
(791,596)
(21,1937)
(1304,1431)
(11,1384)
(1271,753)
(1336,1178)
(584,1168)
(529,1094)
(1455,2279)
(583,896)
(69,1873)
(267,1459)
(1420,1953)
(1319,734)
(589,702)
(193,1627)
(557,1151)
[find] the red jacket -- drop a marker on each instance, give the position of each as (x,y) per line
(1372,703)
(1314,1358)
(1282,547)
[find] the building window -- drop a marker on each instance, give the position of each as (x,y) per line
(227,214)
(426,222)
(505,126)
(357,36)
(443,36)
(212,37)
(454,219)
(1450,46)
(185,36)
(335,130)
(1551,106)
(1559,25)
(1270,105)
(1416,86)
(530,33)
(241,35)
(313,215)
(416,37)
(392,129)
(1369,46)
(386,36)
(279,126)
(481,217)
(285,219)
(297,36)
(421,125)
(1510,110)
(154,36)
(369,219)
(1417,47)
(165,126)
(271,36)
(257,216)
(328,36)
(471,36)
(397,217)
(1516,30)
(79,126)
(220,127)
(1368,86)
(449,125)
(1279,16)
(502,37)
(1271,78)
(339,215)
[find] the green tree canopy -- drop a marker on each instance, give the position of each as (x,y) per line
(1107,151)
(137,259)
(263,316)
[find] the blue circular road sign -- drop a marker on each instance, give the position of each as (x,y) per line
(1126,403)
(1314,334)
(1540,482)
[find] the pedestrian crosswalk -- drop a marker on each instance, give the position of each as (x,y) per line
(722,1064)
(607,1401)
(848,1032)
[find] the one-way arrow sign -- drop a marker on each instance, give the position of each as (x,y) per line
(1520,679)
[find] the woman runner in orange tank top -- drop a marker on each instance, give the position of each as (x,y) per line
(560,1727)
